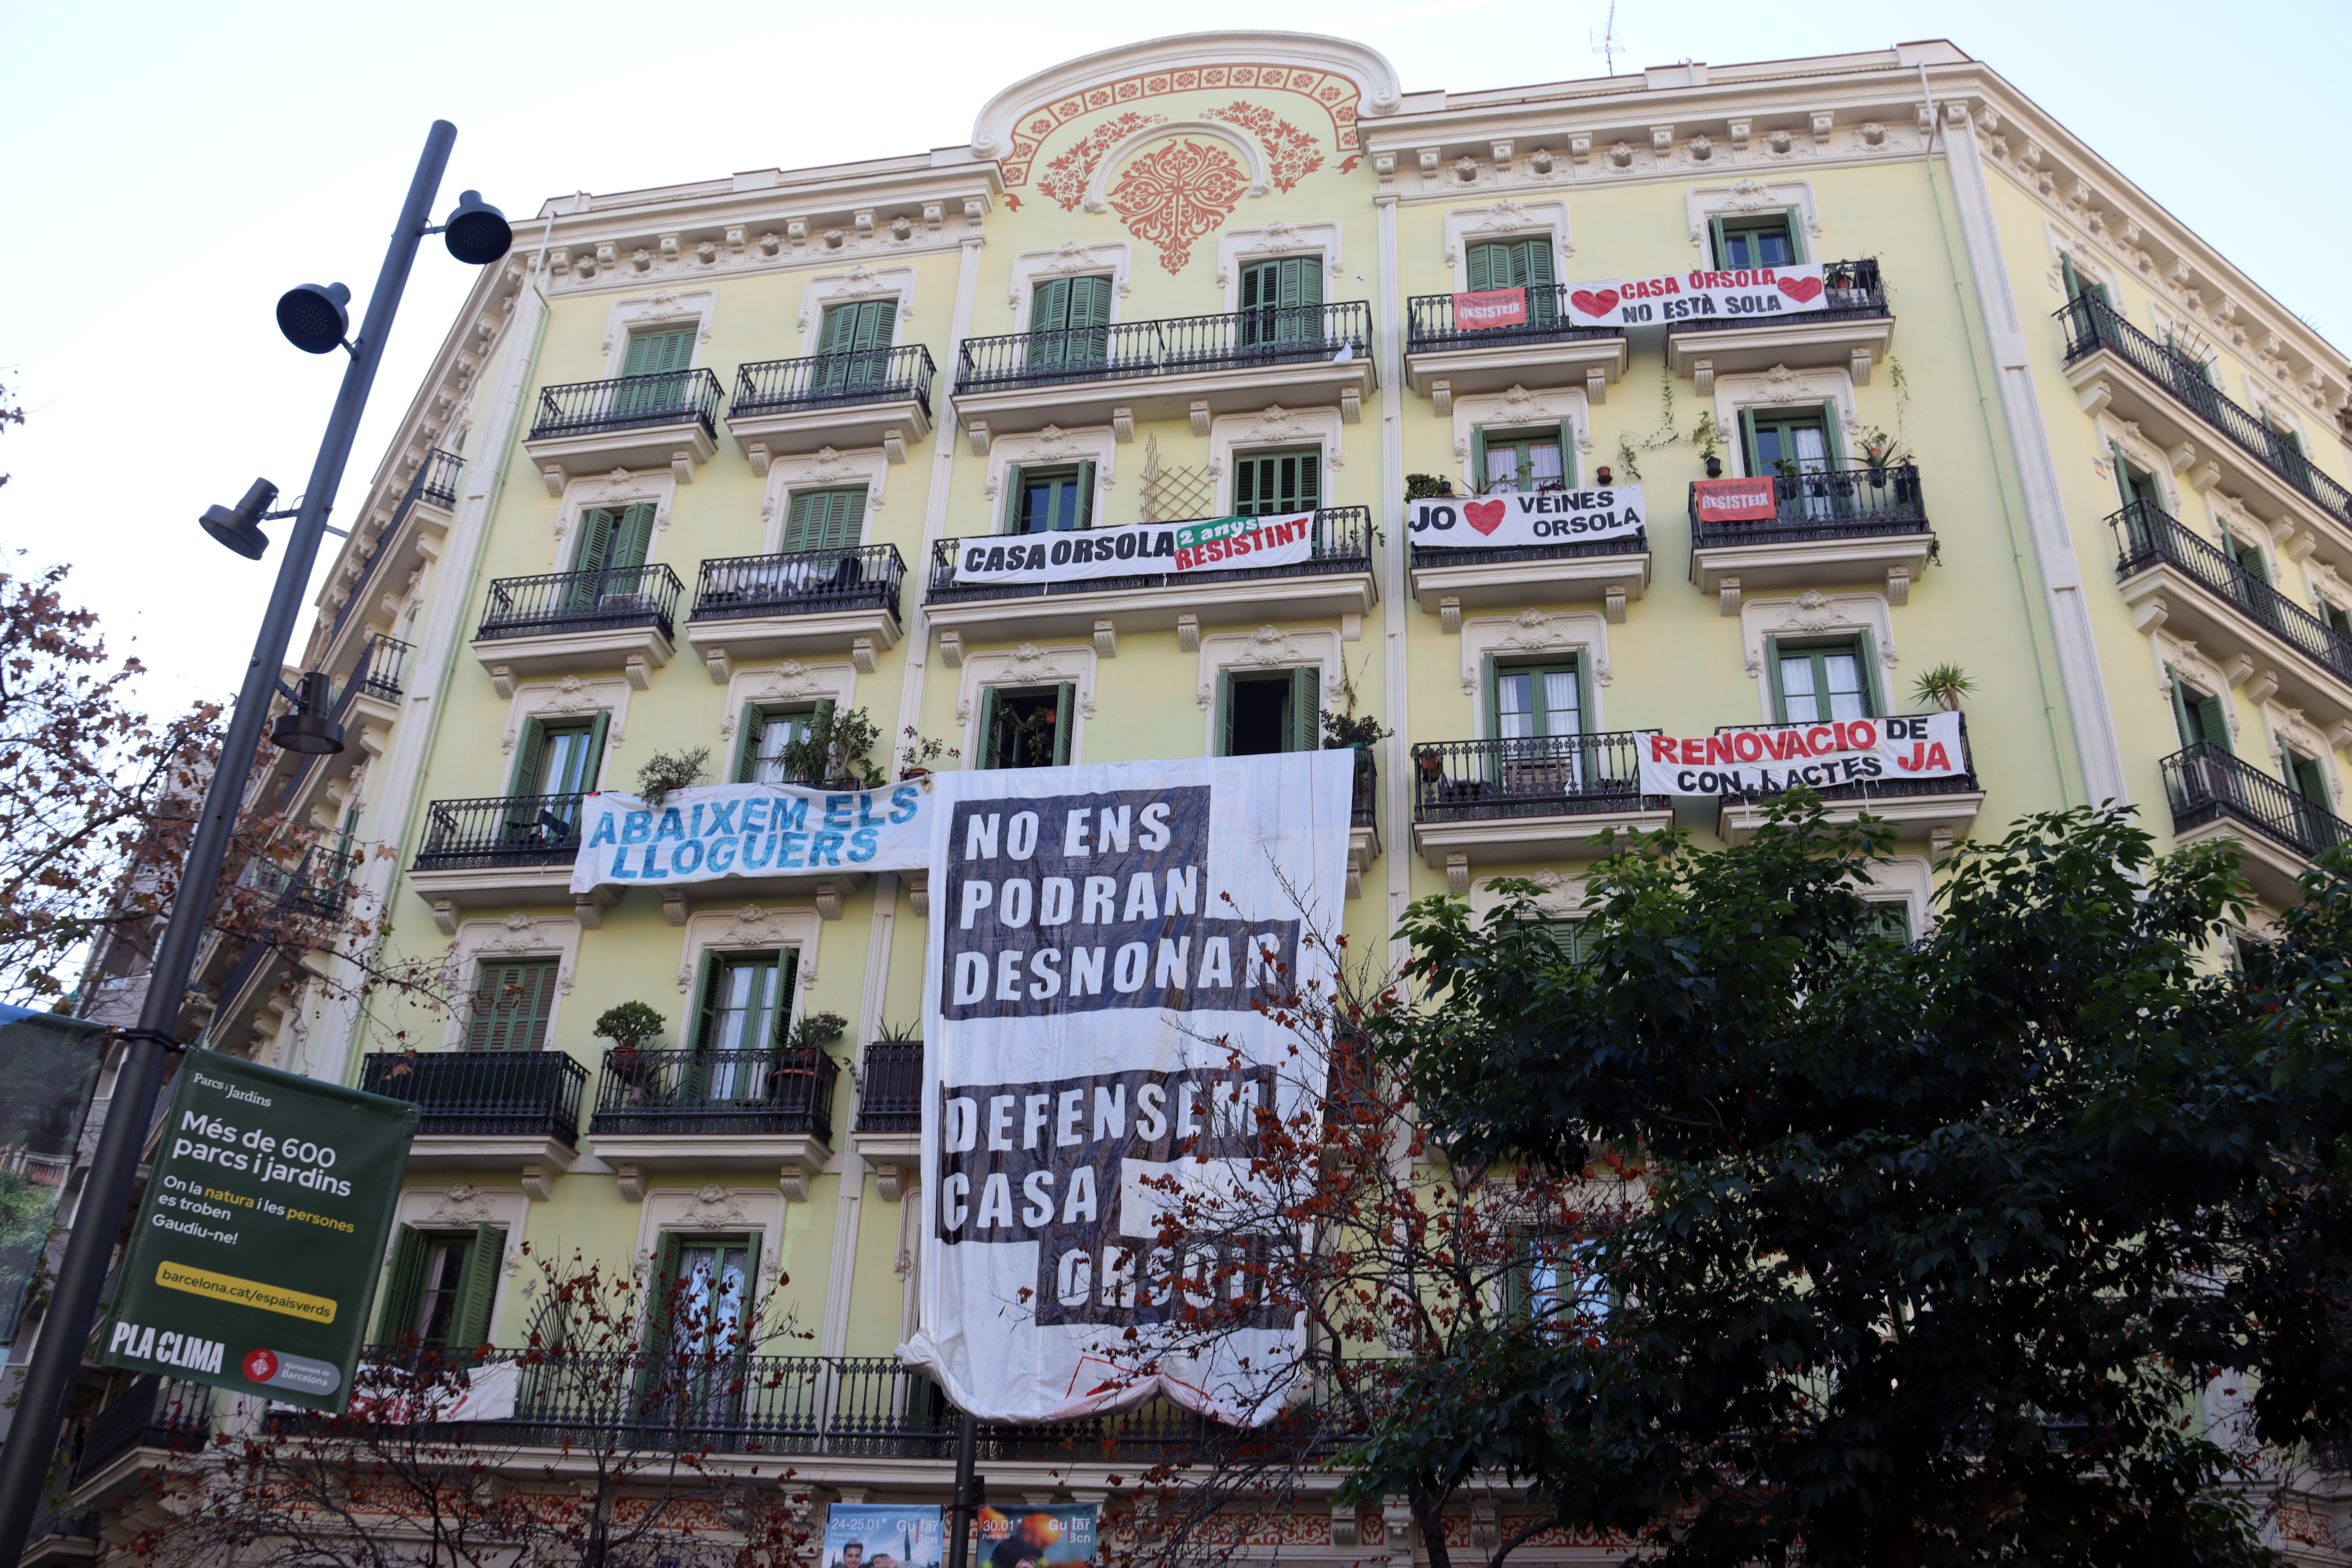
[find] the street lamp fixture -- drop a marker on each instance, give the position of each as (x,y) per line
(315,320)
(309,727)
(477,233)
(238,526)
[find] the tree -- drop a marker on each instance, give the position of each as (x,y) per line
(1944,1241)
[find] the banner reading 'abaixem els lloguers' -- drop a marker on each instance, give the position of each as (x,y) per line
(715,832)
(1100,941)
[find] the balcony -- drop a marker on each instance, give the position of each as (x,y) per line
(1515,801)
(1237,363)
(486,1109)
(1845,524)
(1443,361)
(1938,810)
(629,422)
(673,1111)
(1850,332)
(2114,366)
(368,702)
(2212,795)
(1363,821)
(881,398)
(1608,572)
(496,852)
(813,602)
(890,1114)
(428,503)
(1336,581)
(2172,578)
(564,622)
(153,1413)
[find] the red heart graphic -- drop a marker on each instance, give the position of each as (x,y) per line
(1803,291)
(1485,516)
(1593,304)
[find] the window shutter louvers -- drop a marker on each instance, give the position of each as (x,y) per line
(591,766)
(1086,493)
(1772,666)
(1226,712)
(403,1287)
(1065,696)
(1748,458)
(1833,433)
(595,539)
(1012,497)
(1570,465)
(1715,237)
(1865,654)
(632,537)
(988,749)
(1306,707)
(1478,459)
(477,1290)
(527,749)
(747,744)
(1795,219)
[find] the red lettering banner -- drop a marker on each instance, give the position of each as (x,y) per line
(1489,307)
(1734,500)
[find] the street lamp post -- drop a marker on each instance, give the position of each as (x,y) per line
(477,233)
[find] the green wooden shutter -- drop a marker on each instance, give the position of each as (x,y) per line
(592,769)
(657,1319)
(1086,493)
(1796,221)
(1482,267)
(861,327)
(595,539)
(513,1005)
(1012,497)
(632,537)
(987,747)
(1772,666)
(1748,447)
(825,521)
(748,728)
(1833,433)
(657,354)
(1049,307)
(1306,708)
(1065,699)
(528,747)
(1477,459)
(1226,712)
(1536,261)
(706,1005)
(2213,722)
(1089,302)
(1568,455)
(478,1289)
(2310,778)
(1865,653)
(1491,678)
(404,1285)
(1246,486)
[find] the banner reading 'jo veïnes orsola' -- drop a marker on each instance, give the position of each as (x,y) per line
(1089,1026)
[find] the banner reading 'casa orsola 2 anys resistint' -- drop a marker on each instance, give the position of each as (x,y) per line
(1731,298)
(1770,758)
(1138,550)
(1103,941)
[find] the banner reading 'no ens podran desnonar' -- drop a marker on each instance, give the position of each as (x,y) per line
(255,1258)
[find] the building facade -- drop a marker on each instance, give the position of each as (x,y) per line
(693,464)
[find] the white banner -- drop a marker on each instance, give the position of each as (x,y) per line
(1089,1023)
(714,832)
(1775,757)
(1138,550)
(1699,299)
(1538,517)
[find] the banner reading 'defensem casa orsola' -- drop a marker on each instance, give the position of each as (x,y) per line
(1088,1024)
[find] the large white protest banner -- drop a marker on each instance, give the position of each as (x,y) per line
(1535,517)
(1733,297)
(715,832)
(1769,758)
(1090,1029)
(1138,550)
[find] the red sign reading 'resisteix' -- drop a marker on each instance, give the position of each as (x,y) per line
(1734,500)
(1489,307)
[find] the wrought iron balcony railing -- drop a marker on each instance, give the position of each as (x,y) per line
(2090,326)
(1342,542)
(2145,537)
(804,583)
(890,1099)
(1363,806)
(2205,783)
(557,602)
(513,1094)
(828,381)
(435,482)
(630,402)
(1557,775)
(317,885)
(1850,289)
(1849,501)
(153,1413)
(715,1092)
(502,830)
(1177,345)
(1634,543)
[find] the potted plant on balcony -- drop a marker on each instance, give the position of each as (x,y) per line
(795,1063)
(918,752)
(831,754)
(1426,486)
(1881,452)
(1708,438)
(631,1026)
(663,773)
(1944,686)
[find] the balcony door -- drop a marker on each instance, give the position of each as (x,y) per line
(555,764)
(609,566)
(704,1323)
(1049,500)
(1539,714)
(1280,711)
(1519,264)
(1069,325)
(661,360)
(1744,241)
(1821,683)
(441,1287)
(514,1003)
(2314,808)
(1269,484)
(1796,445)
(745,1010)
(1025,726)
(1282,302)
(853,349)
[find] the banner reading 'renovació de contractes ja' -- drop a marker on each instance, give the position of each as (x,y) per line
(716,832)
(1770,758)
(1100,939)
(1138,550)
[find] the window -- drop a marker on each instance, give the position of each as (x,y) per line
(746,1000)
(1280,710)
(1282,301)
(2137,487)
(559,759)
(2201,718)
(2077,285)
(2339,621)
(825,519)
(702,1324)
(855,346)
(1025,726)
(1273,483)
(2306,776)
(613,545)
(1049,500)
(1069,321)
(1535,702)
(762,734)
(1789,440)
(1511,462)
(514,1002)
(1888,919)
(1552,1283)
(1574,938)
(665,355)
(1518,264)
(2248,556)
(1821,683)
(1749,241)
(441,1287)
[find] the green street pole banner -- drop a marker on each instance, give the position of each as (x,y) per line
(49,1064)
(258,1247)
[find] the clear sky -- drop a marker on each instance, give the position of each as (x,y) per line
(177,166)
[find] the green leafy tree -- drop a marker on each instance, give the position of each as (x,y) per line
(1947,1244)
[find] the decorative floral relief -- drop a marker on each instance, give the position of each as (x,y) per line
(1066,176)
(1333,93)
(1174,195)
(1290,152)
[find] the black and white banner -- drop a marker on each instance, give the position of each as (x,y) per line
(1099,940)
(1137,550)
(1537,517)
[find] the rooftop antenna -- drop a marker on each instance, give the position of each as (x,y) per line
(1605,44)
